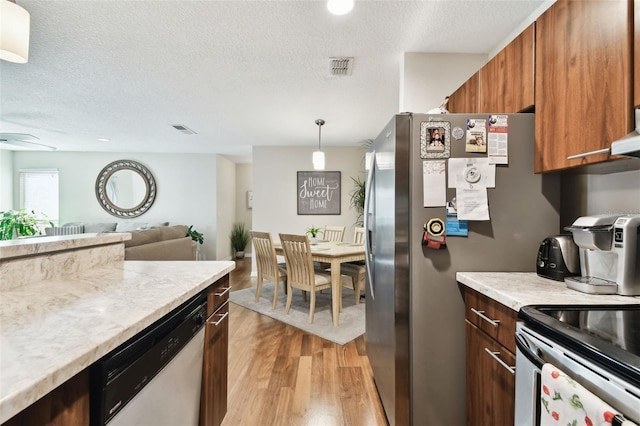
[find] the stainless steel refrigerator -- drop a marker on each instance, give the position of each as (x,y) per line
(414,306)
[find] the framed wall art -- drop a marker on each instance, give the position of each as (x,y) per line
(318,193)
(435,139)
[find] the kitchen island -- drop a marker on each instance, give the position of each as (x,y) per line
(59,317)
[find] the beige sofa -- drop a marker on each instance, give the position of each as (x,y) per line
(161,243)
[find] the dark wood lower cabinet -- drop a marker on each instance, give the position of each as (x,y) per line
(214,371)
(66,405)
(490,385)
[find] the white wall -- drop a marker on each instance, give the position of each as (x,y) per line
(6,180)
(244,183)
(274,187)
(186,185)
(225,215)
(426,79)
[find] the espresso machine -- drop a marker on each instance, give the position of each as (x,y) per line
(609,250)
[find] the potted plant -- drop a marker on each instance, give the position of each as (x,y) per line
(357,198)
(19,223)
(239,239)
(313,231)
(197,237)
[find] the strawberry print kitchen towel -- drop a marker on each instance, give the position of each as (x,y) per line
(565,402)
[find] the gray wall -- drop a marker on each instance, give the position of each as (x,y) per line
(588,194)
(274,187)
(186,188)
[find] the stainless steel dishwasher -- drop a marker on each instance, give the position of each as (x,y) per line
(155,377)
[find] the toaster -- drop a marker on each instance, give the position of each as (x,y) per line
(558,257)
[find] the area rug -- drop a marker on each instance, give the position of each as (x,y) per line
(352,317)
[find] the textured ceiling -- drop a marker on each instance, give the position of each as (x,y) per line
(238,73)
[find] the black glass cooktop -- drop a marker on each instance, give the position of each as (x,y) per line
(608,334)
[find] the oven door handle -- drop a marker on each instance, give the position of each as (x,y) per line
(528,353)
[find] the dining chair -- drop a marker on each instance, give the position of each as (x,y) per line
(333,233)
(300,271)
(267,262)
(355,270)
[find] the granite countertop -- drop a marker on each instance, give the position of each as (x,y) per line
(518,289)
(51,330)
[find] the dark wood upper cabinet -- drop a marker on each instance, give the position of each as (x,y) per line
(507,80)
(465,98)
(636,53)
(583,79)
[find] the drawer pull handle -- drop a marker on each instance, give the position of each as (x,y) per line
(217,323)
(481,314)
(495,356)
(587,154)
(226,290)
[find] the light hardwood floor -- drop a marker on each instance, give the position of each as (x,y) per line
(279,375)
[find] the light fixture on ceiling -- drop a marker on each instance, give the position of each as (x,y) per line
(318,156)
(14,32)
(340,7)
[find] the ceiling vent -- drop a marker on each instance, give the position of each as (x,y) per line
(183,129)
(340,66)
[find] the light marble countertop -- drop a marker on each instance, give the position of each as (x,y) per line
(51,330)
(41,245)
(518,289)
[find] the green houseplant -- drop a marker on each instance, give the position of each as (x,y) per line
(195,235)
(20,223)
(313,231)
(356,198)
(239,239)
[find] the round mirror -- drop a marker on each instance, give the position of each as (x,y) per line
(125,188)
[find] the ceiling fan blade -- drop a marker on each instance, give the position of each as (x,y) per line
(23,140)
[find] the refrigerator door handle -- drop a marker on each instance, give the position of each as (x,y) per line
(367,233)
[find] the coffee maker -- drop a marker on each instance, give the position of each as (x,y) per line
(609,250)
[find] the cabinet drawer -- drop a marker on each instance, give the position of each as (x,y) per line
(495,319)
(490,379)
(218,294)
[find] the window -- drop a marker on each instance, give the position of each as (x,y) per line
(39,192)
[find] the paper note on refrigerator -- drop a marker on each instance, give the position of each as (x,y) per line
(471,173)
(498,139)
(472,203)
(434,183)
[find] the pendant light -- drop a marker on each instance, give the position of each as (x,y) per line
(318,156)
(14,32)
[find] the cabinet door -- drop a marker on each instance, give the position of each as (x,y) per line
(213,405)
(506,81)
(583,81)
(636,53)
(490,386)
(465,98)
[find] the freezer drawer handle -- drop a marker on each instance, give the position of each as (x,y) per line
(481,314)
(226,290)
(495,356)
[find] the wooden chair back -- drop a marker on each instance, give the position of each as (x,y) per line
(297,254)
(267,263)
(358,235)
(333,233)
(265,254)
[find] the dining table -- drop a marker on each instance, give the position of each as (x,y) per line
(333,253)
